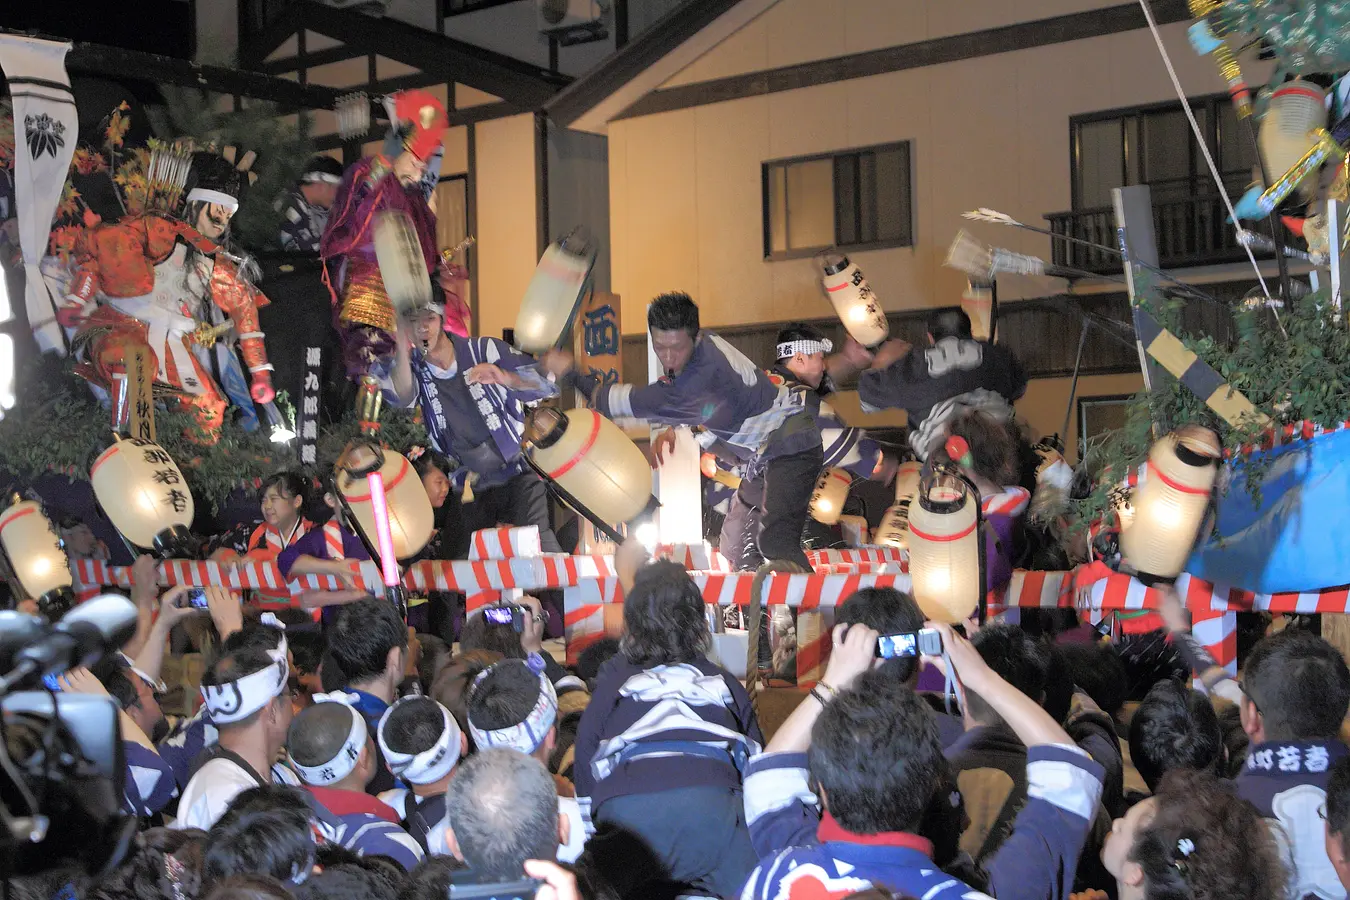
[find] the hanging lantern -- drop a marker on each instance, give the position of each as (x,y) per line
(894,528)
(944,548)
(1170,502)
(592,459)
(827,503)
(907,479)
(403,267)
(37,557)
(554,293)
(411,519)
(1296,108)
(854,301)
(145,495)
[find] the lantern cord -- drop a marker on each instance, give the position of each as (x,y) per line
(1200,139)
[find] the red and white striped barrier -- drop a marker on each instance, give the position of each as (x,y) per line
(858,555)
(694,557)
(504,543)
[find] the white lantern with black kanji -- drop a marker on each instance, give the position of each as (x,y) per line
(37,556)
(944,548)
(143,492)
(412,521)
(853,300)
(827,502)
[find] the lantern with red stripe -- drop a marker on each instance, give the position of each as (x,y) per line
(37,556)
(1296,108)
(143,492)
(411,519)
(554,292)
(1171,501)
(944,548)
(827,503)
(853,300)
(894,529)
(592,460)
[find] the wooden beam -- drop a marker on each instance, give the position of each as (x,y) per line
(310,59)
(254,50)
(445,58)
(971,45)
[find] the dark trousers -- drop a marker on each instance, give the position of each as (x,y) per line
(659,845)
(789,482)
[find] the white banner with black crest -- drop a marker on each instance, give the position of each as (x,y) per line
(308,421)
(46,129)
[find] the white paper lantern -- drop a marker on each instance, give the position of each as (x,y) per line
(894,528)
(1171,501)
(552,296)
(411,518)
(592,459)
(827,503)
(907,478)
(143,492)
(944,549)
(854,302)
(403,268)
(35,551)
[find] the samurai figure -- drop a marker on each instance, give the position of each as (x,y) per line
(166,283)
(364,315)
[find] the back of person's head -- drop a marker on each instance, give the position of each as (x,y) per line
(266,830)
(674,311)
(1058,681)
(233,669)
(115,677)
(479,633)
(876,754)
(250,887)
(456,677)
(356,880)
(307,646)
(1007,650)
(886,611)
(420,739)
(949,321)
(1175,727)
(161,860)
(1205,843)
(995,445)
(1097,670)
(431,879)
(1338,812)
(511,705)
(593,657)
(254,635)
(1299,684)
(325,742)
(502,808)
(435,652)
(664,622)
(362,636)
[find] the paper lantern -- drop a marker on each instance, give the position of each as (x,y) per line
(827,503)
(907,479)
(553,294)
(145,495)
(36,555)
(1170,502)
(944,548)
(411,518)
(592,459)
(403,268)
(854,302)
(1295,109)
(894,528)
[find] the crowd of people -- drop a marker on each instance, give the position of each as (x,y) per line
(353,760)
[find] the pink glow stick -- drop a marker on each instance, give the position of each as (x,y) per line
(386,537)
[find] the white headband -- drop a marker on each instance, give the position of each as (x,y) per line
(433,763)
(342,764)
(236,700)
(206,195)
(317,177)
(525,736)
(792,348)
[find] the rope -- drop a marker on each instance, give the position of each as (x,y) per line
(1200,138)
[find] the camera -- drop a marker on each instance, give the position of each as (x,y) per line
(195,598)
(515,616)
(927,642)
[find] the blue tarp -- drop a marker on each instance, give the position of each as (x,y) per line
(1297,539)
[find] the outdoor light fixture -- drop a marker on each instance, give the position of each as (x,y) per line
(854,301)
(36,556)
(1170,502)
(946,547)
(143,492)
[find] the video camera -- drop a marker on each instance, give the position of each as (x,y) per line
(61,759)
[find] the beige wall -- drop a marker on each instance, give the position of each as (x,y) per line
(506,248)
(685,186)
(1043,404)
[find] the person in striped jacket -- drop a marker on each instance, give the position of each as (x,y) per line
(662,746)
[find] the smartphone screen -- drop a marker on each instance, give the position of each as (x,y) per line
(501,615)
(195,598)
(890,646)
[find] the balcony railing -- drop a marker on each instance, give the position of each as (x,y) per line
(1191,230)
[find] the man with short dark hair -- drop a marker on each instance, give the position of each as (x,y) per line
(1338,820)
(331,749)
(266,830)
(709,384)
(502,810)
(873,753)
(369,643)
(1175,727)
(513,704)
(422,743)
(953,373)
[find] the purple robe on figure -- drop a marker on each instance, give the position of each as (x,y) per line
(363,313)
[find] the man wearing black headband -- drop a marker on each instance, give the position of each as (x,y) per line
(931,384)
(304,210)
